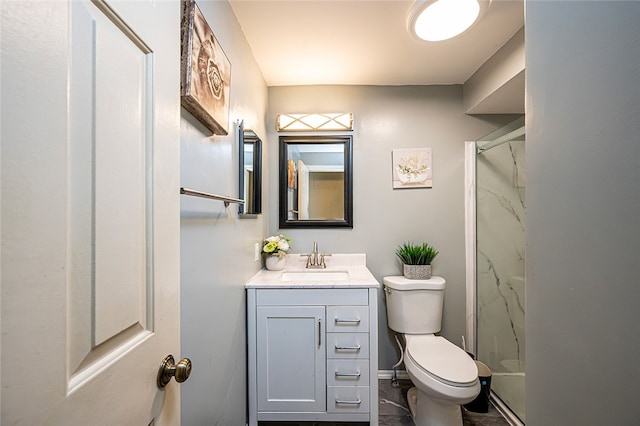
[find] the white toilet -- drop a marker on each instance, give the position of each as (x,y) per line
(445,376)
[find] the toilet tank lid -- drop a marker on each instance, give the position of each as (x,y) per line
(402,283)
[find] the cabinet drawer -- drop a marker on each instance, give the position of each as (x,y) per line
(348,372)
(348,399)
(342,319)
(347,345)
(316,297)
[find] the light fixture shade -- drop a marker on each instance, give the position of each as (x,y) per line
(436,20)
(314,122)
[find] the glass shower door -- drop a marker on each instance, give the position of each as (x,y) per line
(500,227)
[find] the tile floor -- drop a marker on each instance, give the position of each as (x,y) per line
(395,412)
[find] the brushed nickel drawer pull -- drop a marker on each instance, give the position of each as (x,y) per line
(347,321)
(339,374)
(348,348)
(349,402)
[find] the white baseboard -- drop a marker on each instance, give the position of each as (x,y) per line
(388,374)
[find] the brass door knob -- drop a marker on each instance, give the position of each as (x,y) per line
(169,369)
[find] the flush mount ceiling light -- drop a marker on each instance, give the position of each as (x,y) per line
(436,20)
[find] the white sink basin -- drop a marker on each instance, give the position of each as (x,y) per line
(320,275)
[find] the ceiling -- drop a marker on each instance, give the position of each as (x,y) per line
(365,42)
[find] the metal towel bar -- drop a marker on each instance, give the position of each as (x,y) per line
(226,200)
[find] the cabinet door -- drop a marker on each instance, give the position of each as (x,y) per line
(291,358)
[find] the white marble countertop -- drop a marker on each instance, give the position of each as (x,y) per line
(355,265)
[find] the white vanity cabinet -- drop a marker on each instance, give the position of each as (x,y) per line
(312,352)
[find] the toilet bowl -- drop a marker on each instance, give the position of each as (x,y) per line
(445,377)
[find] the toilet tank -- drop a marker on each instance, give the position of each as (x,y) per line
(414,306)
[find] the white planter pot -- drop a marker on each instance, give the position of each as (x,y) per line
(416,272)
(274,263)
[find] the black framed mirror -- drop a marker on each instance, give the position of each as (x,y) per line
(249,171)
(316,182)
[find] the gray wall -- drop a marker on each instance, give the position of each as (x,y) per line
(216,246)
(387,118)
(583,199)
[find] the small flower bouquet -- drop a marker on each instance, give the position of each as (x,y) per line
(276,245)
(411,169)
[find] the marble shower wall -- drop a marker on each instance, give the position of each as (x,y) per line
(500,215)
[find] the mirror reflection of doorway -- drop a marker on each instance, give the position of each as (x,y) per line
(325,198)
(303,191)
(250,172)
(320,193)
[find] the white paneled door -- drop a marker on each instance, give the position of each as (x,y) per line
(90,211)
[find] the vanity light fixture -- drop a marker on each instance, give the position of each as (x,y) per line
(314,122)
(437,20)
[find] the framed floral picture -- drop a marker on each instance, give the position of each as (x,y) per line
(205,71)
(412,168)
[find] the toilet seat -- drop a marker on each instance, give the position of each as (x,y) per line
(442,360)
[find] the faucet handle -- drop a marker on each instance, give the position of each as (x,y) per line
(308,259)
(322,262)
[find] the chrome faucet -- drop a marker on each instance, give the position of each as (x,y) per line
(312,258)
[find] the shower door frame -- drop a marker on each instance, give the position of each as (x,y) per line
(471,268)
(470,243)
